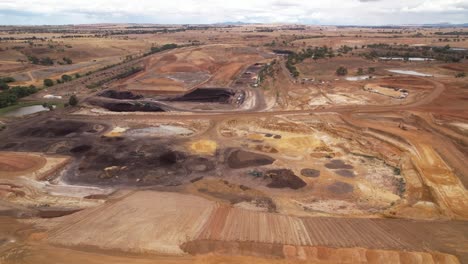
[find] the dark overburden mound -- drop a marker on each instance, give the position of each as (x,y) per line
(58,128)
(81,148)
(120,95)
(243,159)
(132,107)
(207,95)
(284,178)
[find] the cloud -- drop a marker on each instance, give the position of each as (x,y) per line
(331,12)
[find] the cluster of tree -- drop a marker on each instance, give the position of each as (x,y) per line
(266,70)
(290,66)
(5,81)
(360,71)
(438,53)
(460,75)
(345,49)
(11,96)
(455,33)
(47,61)
(67,60)
(314,53)
(448,40)
(154,31)
(162,48)
(125,74)
(41,61)
(265,30)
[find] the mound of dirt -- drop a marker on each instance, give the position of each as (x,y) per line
(284,178)
(235,198)
(340,188)
(338,164)
(243,159)
(346,173)
(310,173)
(120,95)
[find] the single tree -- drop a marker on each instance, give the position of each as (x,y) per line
(48,82)
(360,71)
(67,60)
(371,70)
(73,100)
(66,78)
(341,71)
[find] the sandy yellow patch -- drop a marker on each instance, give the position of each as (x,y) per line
(294,144)
(255,136)
(204,146)
(116,132)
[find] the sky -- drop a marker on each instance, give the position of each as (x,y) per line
(323,12)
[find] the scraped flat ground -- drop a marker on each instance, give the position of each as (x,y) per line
(142,222)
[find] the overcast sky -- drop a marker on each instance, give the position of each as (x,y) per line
(325,12)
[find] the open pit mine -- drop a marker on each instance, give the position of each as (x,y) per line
(224,148)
